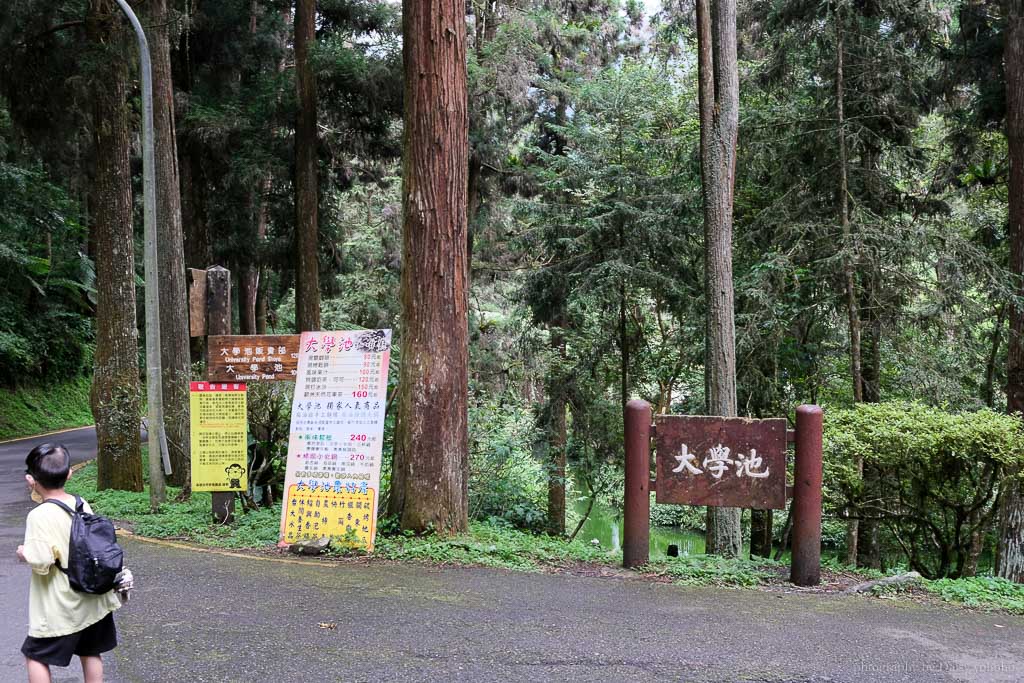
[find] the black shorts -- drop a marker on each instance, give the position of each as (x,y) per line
(89,642)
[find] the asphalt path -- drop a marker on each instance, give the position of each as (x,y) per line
(205,616)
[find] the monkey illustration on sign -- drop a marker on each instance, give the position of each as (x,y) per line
(235,472)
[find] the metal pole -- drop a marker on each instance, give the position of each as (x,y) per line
(636,523)
(154,371)
(806,562)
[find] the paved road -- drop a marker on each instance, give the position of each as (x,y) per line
(208,617)
(200,617)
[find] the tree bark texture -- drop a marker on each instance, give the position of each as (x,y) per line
(115,396)
(174,335)
(307,265)
(718,81)
(869,538)
(557,438)
(431,472)
(1010,563)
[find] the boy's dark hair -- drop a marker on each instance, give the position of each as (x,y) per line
(49,464)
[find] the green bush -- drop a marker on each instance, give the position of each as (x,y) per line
(936,476)
(506,481)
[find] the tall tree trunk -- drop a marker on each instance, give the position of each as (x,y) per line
(115,389)
(194,226)
(307,265)
(1011,513)
(474,197)
(557,435)
(431,471)
(869,549)
(719,117)
(988,392)
(248,286)
(174,334)
(849,281)
(198,244)
(261,279)
(557,428)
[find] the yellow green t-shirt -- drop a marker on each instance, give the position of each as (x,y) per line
(54,608)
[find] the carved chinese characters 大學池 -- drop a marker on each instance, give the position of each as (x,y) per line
(721,461)
(718,462)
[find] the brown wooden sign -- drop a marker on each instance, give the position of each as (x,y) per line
(718,461)
(197,303)
(252,358)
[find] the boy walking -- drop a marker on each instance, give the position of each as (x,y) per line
(62,621)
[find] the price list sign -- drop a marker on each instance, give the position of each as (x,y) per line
(332,481)
(218,428)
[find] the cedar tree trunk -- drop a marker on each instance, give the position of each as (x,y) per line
(849,282)
(431,470)
(115,388)
(1011,514)
(719,117)
(174,334)
(307,266)
(557,436)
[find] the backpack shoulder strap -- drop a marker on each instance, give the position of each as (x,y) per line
(79,504)
(64,505)
(61,504)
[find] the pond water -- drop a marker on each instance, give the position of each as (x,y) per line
(604,525)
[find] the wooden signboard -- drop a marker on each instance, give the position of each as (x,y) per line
(197,303)
(252,358)
(717,461)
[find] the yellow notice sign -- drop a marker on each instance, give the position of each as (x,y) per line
(219,453)
(347,513)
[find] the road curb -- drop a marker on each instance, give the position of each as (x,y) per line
(37,436)
(220,551)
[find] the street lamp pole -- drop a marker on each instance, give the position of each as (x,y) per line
(154,370)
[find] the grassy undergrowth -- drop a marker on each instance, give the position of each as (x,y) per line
(709,570)
(33,410)
(987,592)
(495,546)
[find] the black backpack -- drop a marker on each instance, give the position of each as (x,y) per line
(94,558)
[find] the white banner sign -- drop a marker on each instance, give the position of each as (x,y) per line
(332,482)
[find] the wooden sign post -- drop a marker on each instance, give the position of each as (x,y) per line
(727,462)
(218,321)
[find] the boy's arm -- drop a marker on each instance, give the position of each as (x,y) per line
(37,552)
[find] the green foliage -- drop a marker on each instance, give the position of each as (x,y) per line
(29,410)
(981,591)
(46,284)
(938,475)
(682,516)
(493,545)
(506,481)
(711,570)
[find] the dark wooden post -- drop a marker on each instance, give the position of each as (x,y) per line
(636,533)
(218,321)
(806,563)
(761,533)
